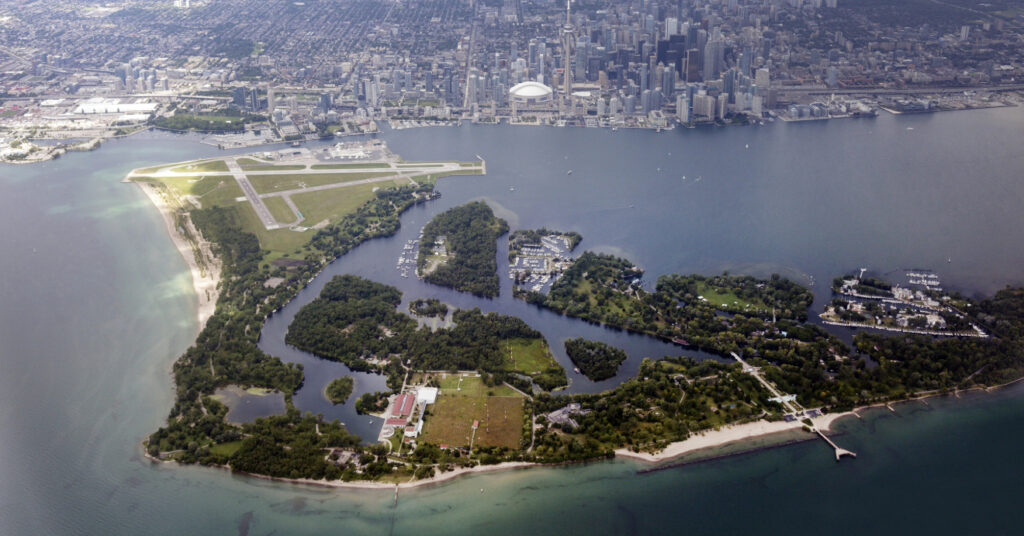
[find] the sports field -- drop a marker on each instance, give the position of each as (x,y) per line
(499,411)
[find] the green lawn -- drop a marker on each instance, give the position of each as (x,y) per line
(276,242)
(202,167)
(472,386)
(529,355)
(333,204)
(226,449)
(279,209)
(250,161)
(720,298)
(290,181)
(212,190)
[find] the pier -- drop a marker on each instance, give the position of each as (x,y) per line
(793,408)
(840,452)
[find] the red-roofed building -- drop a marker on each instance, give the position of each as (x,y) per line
(404,405)
(410,402)
(395,422)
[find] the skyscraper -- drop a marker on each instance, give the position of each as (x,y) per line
(714,57)
(692,64)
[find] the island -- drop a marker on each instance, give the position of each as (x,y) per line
(356,321)
(595,360)
(339,390)
(482,392)
(458,249)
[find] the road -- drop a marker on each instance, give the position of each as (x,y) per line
(771,388)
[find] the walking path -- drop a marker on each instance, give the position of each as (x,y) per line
(791,407)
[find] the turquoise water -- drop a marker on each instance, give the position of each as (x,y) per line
(96,305)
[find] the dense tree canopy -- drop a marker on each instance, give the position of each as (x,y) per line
(596,360)
(470,235)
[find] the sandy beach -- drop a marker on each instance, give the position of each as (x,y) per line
(727,435)
(204,282)
(436,479)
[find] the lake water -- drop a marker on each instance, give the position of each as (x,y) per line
(96,305)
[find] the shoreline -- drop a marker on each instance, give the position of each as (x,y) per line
(204,286)
(438,478)
(728,435)
(706,441)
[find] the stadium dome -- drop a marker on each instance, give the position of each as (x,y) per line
(530,93)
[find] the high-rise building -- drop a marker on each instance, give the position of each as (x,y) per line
(703,107)
(762,78)
(671,26)
(668,82)
(238,97)
(692,65)
(682,108)
(714,57)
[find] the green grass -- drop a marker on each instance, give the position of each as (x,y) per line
(351,166)
(333,204)
(279,209)
(147,171)
(472,386)
(290,181)
(210,183)
(315,206)
(213,190)
(418,165)
(278,241)
(226,449)
(529,356)
(202,167)
(720,298)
